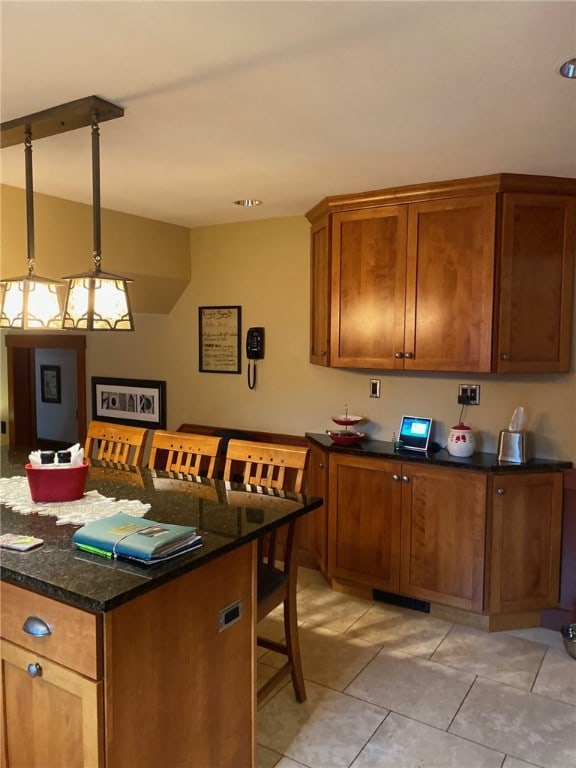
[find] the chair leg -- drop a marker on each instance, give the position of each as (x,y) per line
(293,646)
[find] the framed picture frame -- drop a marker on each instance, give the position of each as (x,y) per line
(219,330)
(50,384)
(137,402)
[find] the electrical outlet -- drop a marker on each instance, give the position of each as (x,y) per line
(374,387)
(469,394)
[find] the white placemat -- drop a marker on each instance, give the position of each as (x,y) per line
(15,493)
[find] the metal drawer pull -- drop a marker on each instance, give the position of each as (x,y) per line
(34,670)
(399,355)
(36,626)
(409,355)
(405,479)
(500,491)
(396,477)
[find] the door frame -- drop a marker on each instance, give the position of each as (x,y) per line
(47,341)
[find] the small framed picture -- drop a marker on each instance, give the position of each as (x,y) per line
(51,391)
(136,402)
(219,339)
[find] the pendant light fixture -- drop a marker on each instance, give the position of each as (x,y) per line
(97,300)
(30,302)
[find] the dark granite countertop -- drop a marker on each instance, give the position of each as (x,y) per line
(485,462)
(227,515)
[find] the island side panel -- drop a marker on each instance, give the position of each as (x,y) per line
(178,690)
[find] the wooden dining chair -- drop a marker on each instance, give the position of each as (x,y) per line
(184,452)
(115,442)
(282,467)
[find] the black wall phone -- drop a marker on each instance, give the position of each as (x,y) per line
(254,351)
(255,343)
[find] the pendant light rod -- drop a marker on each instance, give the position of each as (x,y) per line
(29,202)
(65,117)
(96,213)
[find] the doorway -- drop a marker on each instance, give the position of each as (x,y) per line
(22,408)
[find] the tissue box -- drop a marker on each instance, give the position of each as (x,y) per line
(57,484)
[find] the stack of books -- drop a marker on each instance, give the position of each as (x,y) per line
(133,538)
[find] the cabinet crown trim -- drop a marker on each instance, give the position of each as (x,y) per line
(494,183)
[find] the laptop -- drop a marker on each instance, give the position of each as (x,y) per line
(415,433)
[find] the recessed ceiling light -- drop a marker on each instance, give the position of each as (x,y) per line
(568,69)
(248,202)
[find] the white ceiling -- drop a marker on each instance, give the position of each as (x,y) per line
(287,101)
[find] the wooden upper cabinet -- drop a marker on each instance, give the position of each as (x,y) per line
(536,284)
(368,284)
(319,295)
(469,275)
(449,284)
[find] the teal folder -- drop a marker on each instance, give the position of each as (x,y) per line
(123,535)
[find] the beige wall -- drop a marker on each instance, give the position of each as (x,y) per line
(263,266)
(154,254)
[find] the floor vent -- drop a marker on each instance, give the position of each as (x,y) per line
(405,602)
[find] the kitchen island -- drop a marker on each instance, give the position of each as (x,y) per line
(148,666)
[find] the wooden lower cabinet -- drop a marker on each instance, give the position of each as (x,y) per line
(52,720)
(364,522)
(443,529)
(524,542)
(167,687)
(314,525)
(470,540)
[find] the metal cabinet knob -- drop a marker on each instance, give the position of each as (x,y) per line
(405,479)
(505,356)
(34,670)
(409,355)
(321,466)
(396,477)
(323,353)
(500,491)
(399,355)
(36,626)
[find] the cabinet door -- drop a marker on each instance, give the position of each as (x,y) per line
(313,531)
(525,527)
(51,720)
(536,284)
(319,295)
(364,521)
(443,528)
(368,287)
(450,284)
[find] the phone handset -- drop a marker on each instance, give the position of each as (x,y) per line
(254,351)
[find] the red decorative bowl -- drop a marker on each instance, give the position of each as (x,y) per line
(346,420)
(345,437)
(57,484)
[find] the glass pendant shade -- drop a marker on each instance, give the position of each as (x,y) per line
(30,303)
(97,301)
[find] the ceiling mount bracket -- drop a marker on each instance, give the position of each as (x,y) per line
(65,117)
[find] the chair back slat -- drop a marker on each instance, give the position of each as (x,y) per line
(185,452)
(265,464)
(115,442)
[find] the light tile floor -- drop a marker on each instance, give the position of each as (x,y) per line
(389,687)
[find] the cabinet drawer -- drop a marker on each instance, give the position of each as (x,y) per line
(74,634)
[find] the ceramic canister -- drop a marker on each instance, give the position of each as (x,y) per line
(461,441)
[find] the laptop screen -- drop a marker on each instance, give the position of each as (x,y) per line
(415,432)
